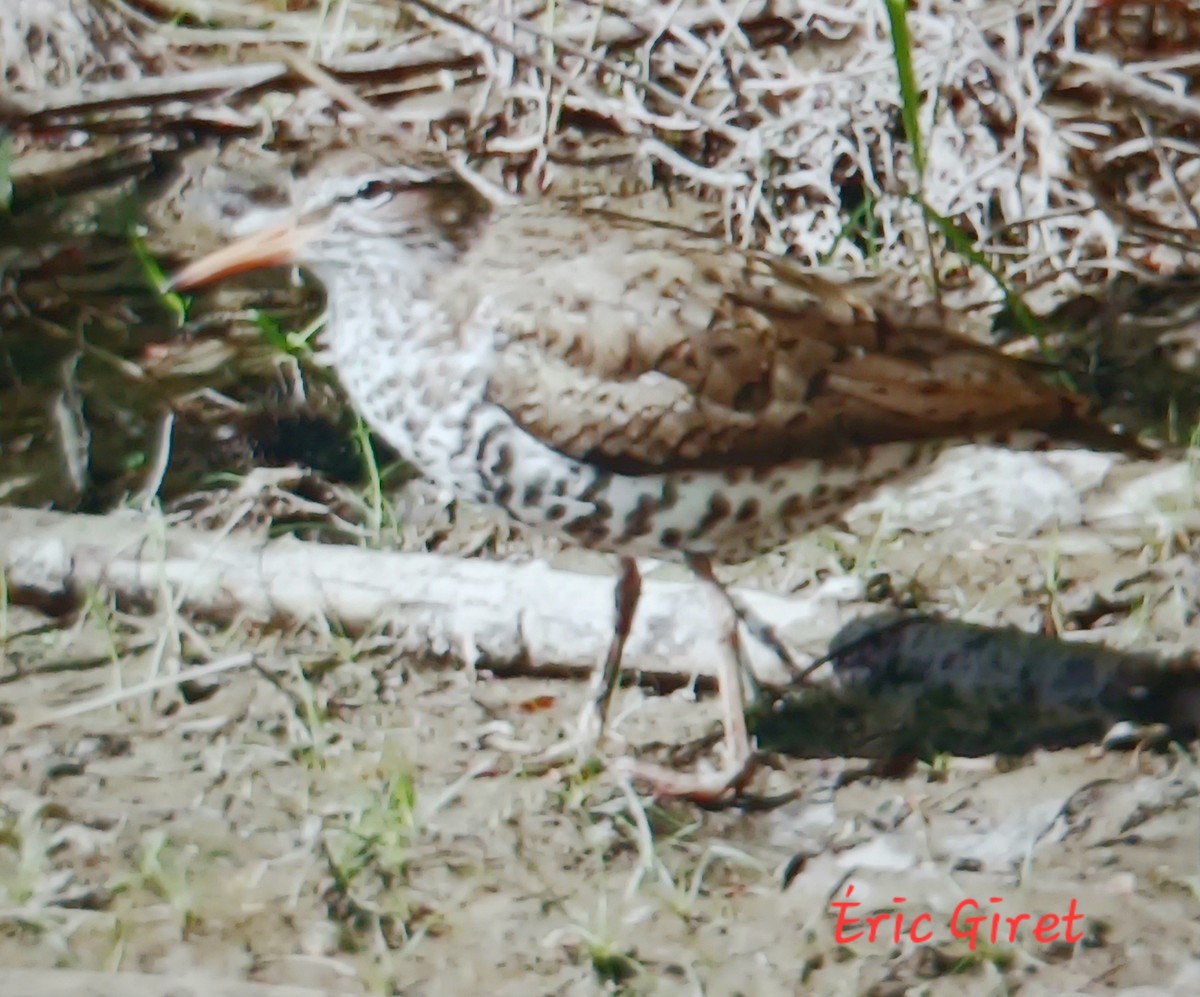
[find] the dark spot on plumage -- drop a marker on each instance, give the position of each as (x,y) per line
(533,494)
(504,461)
(671,537)
(484,440)
(641,520)
(598,484)
(670,495)
(718,509)
(556,512)
(791,507)
(559,489)
(603,509)
(504,494)
(748,510)
(588,530)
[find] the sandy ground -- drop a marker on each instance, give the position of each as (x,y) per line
(334,819)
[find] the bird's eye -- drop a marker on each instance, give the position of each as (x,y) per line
(373,189)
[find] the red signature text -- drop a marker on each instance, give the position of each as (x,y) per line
(965,922)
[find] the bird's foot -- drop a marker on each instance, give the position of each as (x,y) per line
(583,749)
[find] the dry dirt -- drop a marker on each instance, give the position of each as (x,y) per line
(334,819)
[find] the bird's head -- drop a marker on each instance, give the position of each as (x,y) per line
(395,216)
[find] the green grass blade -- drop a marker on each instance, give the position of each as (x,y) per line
(860,224)
(173,301)
(272,331)
(910,98)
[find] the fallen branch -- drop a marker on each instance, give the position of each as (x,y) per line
(511,618)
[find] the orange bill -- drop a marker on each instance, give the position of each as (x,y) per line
(278,245)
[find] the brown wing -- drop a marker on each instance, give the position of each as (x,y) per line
(640,349)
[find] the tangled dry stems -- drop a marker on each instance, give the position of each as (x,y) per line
(1060,135)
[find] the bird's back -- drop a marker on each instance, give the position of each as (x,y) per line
(641,348)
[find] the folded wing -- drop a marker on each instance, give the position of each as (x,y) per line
(639,349)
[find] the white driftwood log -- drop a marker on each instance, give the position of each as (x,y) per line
(508,617)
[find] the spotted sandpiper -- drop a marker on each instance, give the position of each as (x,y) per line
(632,387)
